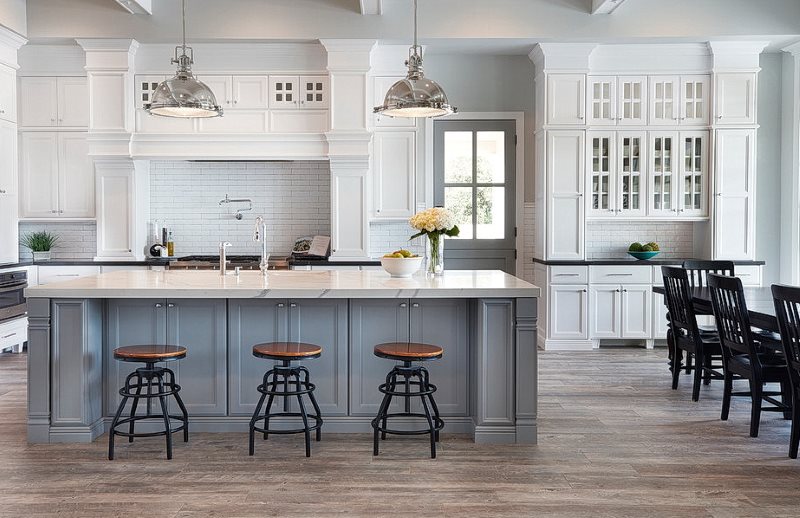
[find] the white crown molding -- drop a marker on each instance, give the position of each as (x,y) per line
(562,56)
(793,49)
(736,55)
(106,54)
(348,55)
(10,43)
(137,6)
(371,7)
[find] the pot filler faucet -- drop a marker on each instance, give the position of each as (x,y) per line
(260,236)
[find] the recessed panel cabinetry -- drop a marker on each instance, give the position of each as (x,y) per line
(56,175)
(679,100)
(47,102)
(735,98)
(566,99)
(617,100)
(394,169)
(616,174)
(8,94)
(678,167)
(734,232)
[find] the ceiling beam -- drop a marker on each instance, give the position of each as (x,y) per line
(137,6)
(605,6)
(372,7)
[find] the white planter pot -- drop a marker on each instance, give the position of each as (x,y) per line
(41,256)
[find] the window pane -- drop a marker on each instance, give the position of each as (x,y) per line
(491,157)
(459,201)
(491,212)
(458,157)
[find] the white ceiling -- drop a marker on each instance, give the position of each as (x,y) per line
(446,26)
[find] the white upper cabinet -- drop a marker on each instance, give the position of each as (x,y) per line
(615,174)
(692,189)
(632,100)
(394,171)
(56,175)
(249,92)
(380,86)
(283,92)
(678,174)
(630,178)
(566,99)
(600,174)
(54,102)
(8,158)
(565,188)
(315,92)
(680,100)
(8,94)
(221,86)
(735,98)
(734,216)
(602,100)
(662,167)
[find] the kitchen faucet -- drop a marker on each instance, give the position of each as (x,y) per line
(223,261)
(260,236)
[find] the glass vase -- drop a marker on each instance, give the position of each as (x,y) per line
(435,254)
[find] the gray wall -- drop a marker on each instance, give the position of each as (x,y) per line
(768,169)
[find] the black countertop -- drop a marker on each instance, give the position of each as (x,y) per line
(633,261)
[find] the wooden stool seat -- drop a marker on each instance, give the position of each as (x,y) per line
(407,351)
(286,350)
(149,353)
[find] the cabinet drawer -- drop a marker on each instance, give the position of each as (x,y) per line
(13,333)
(622,274)
(569,274)
(49,274)
(749,274)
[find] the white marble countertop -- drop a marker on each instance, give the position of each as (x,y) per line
(287,284)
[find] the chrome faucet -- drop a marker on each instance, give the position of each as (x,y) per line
(260,236)
(223,261)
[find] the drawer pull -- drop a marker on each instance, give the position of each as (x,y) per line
(68,275)
(9,336)
(619,275)
(567,275)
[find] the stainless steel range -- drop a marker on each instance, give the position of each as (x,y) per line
(211,262)
(12,296)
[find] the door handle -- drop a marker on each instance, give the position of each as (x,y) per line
(8,336)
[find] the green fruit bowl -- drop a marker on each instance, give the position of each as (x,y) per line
(644,256)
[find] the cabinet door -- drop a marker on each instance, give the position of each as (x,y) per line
(283,92)
(735,98)
(631,100)
(664,100)
(568,312)
(315,92)
(630,185)
(222,88)
(250,92)
(734,217)
(115,221)
(145,86)
(8,94)
(39,175)
(602,191)
(251,322)
(637,311)
(8,158)
(566,99)
(443,322)
(349,219)
(130,322)
(663,167)
(692,187)
(565,185)
(602,100)
(324,322)
(9,229)
(373,322)
(394,170)
(605,314)
(660,323)
(38,101)
(73,102)
(695,103)
(200,326)
(75,176)
(381,85)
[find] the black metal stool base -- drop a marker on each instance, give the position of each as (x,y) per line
(281,376)
(424,391)
(152,380)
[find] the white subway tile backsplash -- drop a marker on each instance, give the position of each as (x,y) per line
(387,236)
(611,239)
(76,240)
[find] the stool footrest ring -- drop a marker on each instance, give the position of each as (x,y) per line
(311,427)
(137,418)
(438,424)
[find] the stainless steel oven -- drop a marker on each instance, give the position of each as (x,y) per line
(12,295)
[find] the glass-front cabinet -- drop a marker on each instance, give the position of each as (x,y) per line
(616,181)
(678,174)
(679,100)
(617,100)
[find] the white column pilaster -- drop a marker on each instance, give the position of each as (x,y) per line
(790,168)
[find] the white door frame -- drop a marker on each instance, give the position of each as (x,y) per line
(519,119)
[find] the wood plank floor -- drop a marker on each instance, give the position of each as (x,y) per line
(614,441)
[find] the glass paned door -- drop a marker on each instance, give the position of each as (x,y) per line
(474,177)
(632,95)
(602,98)
(693,173)
(601,199)
(664,100)
(630,162)
(694,100)
(662,173)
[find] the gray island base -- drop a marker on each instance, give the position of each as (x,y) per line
(484,320)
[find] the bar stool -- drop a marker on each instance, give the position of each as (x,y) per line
(286,352)
(408,353)
(158,382)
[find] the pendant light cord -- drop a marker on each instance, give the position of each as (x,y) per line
(415,23)
(183,16)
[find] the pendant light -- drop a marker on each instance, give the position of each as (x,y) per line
(183,95)
(416,95)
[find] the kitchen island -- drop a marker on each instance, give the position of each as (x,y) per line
(485,321)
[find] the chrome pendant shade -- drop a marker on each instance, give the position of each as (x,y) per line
(416,95)
(183,95)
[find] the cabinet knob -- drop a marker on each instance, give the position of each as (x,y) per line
(624,291)
(617,290)
(227,102)
(54,211)
(293,305)
(2,111)
(680,210)
(52,120)
(415,305)
(584,290)
(280,305)
(403,305)
(171,305)
(235,101)
(159,305)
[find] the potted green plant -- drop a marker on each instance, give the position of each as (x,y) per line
(40,243)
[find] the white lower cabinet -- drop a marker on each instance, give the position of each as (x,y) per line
(49,274)
(620,311)
(636,310)
(660,324)
(605,316)
(568,312)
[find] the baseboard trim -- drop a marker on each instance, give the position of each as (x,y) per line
(568,345)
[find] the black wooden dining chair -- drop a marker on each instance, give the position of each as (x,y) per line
(787,309)
(685,334)
(743,356)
